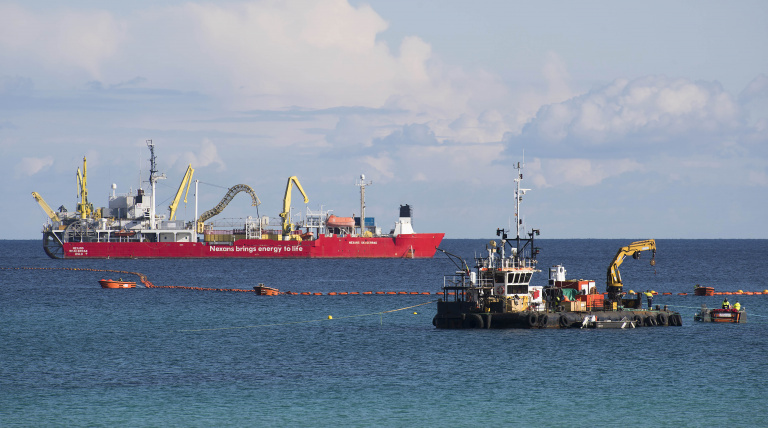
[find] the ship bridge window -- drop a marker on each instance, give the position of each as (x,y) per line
(517,289)
(527,278)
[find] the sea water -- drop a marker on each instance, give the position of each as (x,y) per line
(73,354)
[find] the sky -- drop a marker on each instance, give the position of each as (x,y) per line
(633,120)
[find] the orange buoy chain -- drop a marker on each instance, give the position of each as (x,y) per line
(147,283)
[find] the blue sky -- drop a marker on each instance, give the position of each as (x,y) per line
(636,120)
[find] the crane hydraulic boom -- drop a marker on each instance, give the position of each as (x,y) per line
(186,181)
(52,214)
(286,214)
(84,207)
(614,284)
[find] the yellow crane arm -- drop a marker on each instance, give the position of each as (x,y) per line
(286,214)
(614,276)
(186,181)
(84,208)
(52,214)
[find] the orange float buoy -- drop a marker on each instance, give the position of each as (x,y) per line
(682,294)
(367,292)
(379,292)
(332,293)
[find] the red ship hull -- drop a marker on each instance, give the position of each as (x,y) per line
(417,245)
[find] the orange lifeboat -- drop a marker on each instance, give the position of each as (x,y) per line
(334,221)
(114,283)
(263,290)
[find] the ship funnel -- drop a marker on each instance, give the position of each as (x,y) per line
(405,211)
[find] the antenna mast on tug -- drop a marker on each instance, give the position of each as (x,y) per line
(519,197)
(518,250)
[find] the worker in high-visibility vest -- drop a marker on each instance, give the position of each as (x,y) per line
(737,306)
(726,304)
(649,297)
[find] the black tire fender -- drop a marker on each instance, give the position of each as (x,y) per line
(533,319)
(473,321)
(663,319)
(675,320)
(487,318)
(638,320)
(563,321)
(543,320)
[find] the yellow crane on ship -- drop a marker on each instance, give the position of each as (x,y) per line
(286,214)
(186,181)
(85,208)
(614,284)
(51,213)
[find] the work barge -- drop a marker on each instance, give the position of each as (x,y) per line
(498,293)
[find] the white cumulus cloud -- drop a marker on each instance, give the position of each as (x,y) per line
(657,106)
(31,166)
(60,39)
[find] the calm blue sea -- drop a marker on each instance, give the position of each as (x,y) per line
(73,354)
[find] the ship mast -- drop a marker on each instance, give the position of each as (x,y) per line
(362,185)
(521,242)
(153,177)
(519,198)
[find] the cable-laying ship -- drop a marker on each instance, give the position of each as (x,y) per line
(498,293)
(130,227)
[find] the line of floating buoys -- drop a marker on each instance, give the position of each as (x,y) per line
(145,280)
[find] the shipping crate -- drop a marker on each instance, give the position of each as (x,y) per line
(577,306)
